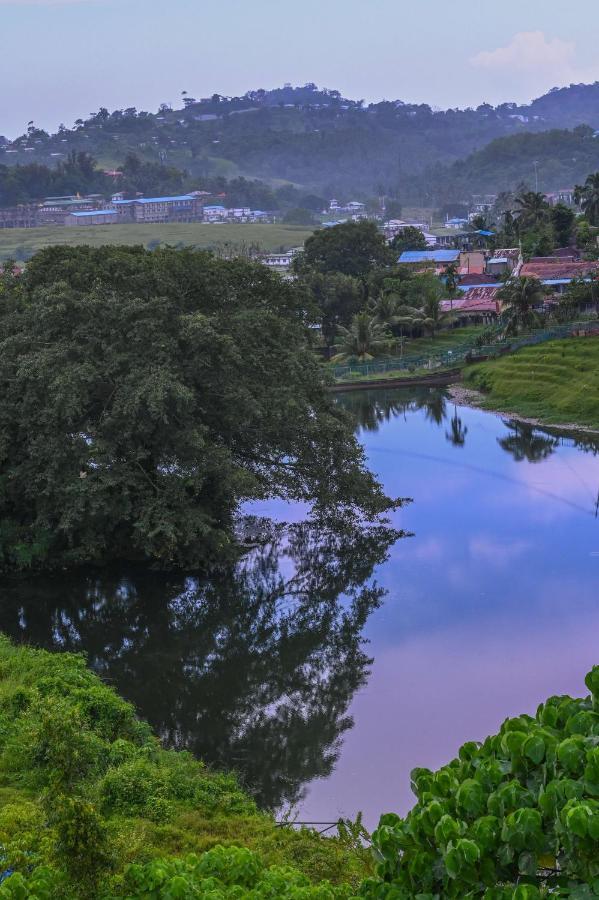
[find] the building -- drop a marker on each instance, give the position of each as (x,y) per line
(22,216)
(440,259)
(478,306)
(504,262)
(215,213)
(559,272)
(93,217)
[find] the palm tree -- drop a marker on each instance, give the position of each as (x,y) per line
(520,296)
(363,340)
(452,279)
(385,308)
(458,432)
(587,197)
(532,209)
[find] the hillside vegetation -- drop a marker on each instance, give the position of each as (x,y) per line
(306,136)
(91,806)
(557,382)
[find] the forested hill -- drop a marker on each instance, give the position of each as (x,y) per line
(314,138)
(561,157)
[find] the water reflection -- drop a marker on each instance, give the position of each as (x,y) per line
(254,669)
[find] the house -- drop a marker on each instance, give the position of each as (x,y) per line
(472,262)
(215,213)
(440,259)
(558,272)
(504,261)
(478,306)
(456,222)
(93,217)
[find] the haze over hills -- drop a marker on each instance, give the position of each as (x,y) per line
(322,142)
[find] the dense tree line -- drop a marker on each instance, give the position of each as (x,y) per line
(145,395)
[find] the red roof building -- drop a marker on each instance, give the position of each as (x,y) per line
(555,268)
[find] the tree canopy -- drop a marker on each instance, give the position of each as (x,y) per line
(146,395)
(352,248)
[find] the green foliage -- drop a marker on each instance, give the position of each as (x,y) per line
(115,815)
(353,248)
(145,395)
(514,817)
(557,382)
(409,238)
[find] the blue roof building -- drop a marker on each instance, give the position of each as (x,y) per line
(440,257)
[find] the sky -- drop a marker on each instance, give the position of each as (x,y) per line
(62,59)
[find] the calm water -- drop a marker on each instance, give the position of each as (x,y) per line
(324,671)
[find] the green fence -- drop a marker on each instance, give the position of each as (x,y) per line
(448,358)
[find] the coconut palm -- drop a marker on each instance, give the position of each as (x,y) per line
(363,340)
(532,209)
(520,296)
(384,309)
(587,197)
(458,431)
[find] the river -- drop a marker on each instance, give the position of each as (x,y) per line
(328,664)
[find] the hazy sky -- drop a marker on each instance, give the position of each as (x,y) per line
(61,59)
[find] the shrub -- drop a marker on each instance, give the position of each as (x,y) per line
(514,817)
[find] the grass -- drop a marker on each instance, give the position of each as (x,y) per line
(556,382)
(443,340)
(21,243)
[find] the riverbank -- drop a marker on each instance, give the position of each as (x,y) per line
(554,384)
(92,806)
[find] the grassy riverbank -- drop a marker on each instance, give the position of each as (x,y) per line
(556,382)
(21,243)
(91,806)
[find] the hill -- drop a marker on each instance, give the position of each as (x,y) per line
(313,138)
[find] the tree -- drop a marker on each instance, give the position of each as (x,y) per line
(338,298)
(408,239)
(562,219)
(515,817)
(363,340)
(587,197)
(532,210)
(519,297)
(353,248)
(145,395)
(299,216)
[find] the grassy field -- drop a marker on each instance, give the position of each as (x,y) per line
(443,340)
(20,243)
(557,382)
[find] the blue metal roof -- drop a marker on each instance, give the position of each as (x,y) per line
(470,287)
(95,212)
(164,199)
(438,256)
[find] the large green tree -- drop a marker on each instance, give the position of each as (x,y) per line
(353,248)
(146,395)
(587,196)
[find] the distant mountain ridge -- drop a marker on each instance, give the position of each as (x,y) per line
(321,141)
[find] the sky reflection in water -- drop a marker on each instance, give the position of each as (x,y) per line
(492,606)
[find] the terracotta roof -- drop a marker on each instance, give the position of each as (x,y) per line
(482,299)
(509,253)
(551,267)
(476,278)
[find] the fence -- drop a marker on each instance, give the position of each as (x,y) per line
(471,349)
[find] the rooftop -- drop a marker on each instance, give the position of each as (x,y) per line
(435,256)
(94,212)
(554,268)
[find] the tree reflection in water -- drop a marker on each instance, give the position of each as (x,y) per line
(253,669)
(527,442)
(371,409)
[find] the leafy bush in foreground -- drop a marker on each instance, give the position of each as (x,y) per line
(513,818)
(92,807)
